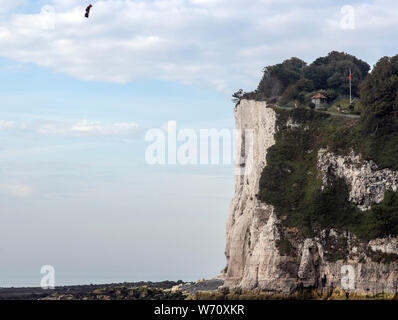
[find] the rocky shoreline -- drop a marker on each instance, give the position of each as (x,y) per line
(165,290)
(92,291)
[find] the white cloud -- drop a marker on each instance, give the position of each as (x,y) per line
(82,128)
(86,128)
(7,124)
(217,43)
(17,190)
(206,2)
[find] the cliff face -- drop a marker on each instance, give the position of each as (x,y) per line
(332,258)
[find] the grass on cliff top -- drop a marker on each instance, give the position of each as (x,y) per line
(292,184)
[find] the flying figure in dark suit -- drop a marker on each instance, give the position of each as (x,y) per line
(88,11)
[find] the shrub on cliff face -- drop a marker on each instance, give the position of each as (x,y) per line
(386,215)
(284,246)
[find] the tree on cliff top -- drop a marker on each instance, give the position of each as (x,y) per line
(278,77)
(325,73)
(379,97)
(332,71)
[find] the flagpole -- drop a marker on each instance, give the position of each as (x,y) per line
(350,86)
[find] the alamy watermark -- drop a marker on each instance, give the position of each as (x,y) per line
(204,146)
(348,277)
(48,280)
(47,17)
(347,21)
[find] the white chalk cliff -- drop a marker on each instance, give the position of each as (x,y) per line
(253,228)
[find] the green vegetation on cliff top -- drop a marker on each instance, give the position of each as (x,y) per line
(294,80)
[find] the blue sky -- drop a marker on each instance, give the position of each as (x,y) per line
(78,95)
